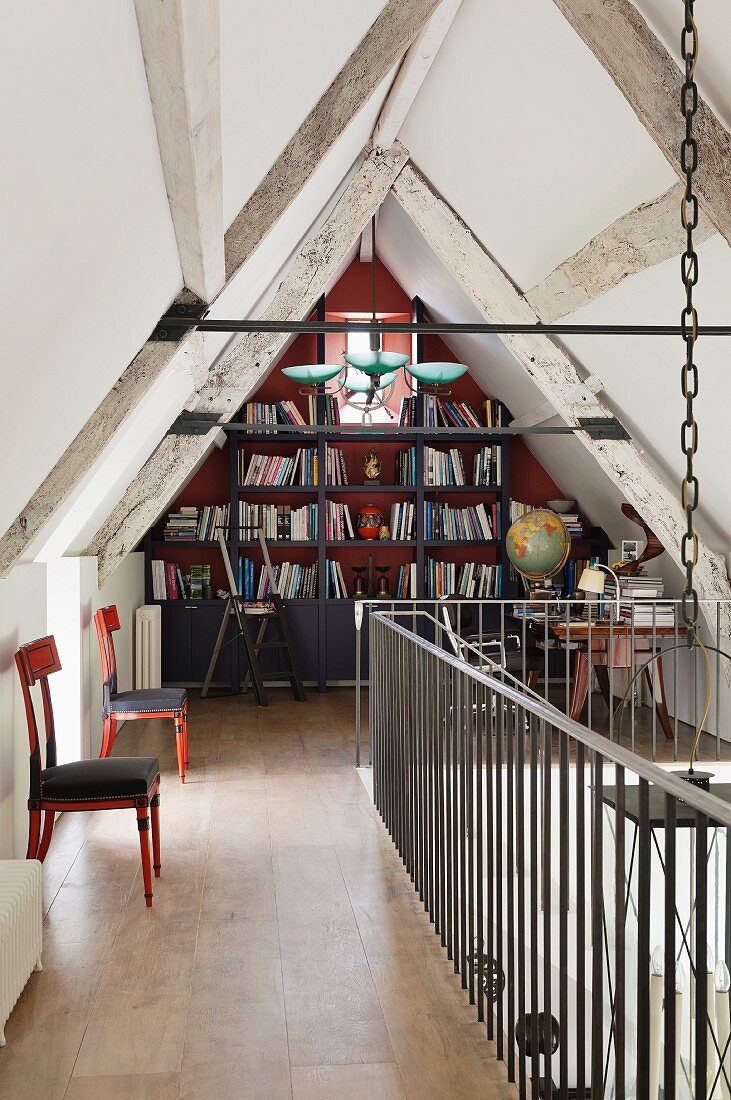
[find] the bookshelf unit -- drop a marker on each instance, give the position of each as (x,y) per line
(322,627)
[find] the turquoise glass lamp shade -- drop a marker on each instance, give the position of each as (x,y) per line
(363,385)
(433,374)
(312,374)
(376,362)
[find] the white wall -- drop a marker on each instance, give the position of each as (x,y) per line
(22,619)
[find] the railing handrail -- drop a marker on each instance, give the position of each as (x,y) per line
(714,808)
(492,601)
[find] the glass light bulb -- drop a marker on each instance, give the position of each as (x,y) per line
(722,977)
(658,961)
(679,978)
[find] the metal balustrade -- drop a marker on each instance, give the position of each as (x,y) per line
(571,881)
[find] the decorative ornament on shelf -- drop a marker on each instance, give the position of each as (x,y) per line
(372,467)
(383,591)
(385,533)
(370,521)
(359,585)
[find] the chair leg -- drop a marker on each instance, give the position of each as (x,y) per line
(48,824)
(110,732)
(143,824)
(533,679)
(185,736)
(155,816)
(180,746)
(34,832)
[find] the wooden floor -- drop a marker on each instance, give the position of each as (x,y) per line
(286,954)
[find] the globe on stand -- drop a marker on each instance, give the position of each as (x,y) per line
(538,545)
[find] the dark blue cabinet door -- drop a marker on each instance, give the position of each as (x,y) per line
(175,641)
(205,623)
(302,622)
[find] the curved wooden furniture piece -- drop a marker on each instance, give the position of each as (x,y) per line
(653,548)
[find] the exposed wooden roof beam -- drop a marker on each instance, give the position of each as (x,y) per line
(412,73)
(181,49)
(649,78)
(497,299)
(405,88)
(230,381)
(647,235)
(385,43)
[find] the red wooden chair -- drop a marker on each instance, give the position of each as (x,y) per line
(146,703)
(131,782)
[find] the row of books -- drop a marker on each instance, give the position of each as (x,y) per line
(278,522)
(443,467)
(278,412)
(191,524)
(335,471)
(478,523)
(297,469)
(406,466)
(474,580)
(338,524)
(332,408)
(168,582)
(488,465)
(294,581)
(445,414)
(334,581)
(403,520)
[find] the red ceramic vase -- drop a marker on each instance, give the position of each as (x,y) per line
(370,521)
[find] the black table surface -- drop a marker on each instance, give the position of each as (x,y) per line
(685,813)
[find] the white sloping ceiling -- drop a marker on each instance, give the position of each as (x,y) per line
(89,258)
(277,58)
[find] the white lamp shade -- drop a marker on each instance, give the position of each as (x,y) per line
(592,580)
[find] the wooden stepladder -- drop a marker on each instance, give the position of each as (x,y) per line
(269,615)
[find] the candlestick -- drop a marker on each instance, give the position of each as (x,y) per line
(657,980)
(723,1023)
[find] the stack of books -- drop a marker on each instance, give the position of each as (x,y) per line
(200,577)
(335,582)
(403,521)
(297,469)
(335,471)
(338,524)
(480,523)
(443,467)
(197,525)
(474,580)
(405,587)
(406,466)
(181,526)
(280,412)
(278,522)
(488,465)
(638,594)
(573,524)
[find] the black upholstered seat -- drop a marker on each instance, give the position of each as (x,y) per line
(91,780)
(148,699)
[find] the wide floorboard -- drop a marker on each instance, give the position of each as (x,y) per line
(286,954)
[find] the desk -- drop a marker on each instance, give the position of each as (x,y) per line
(621,638)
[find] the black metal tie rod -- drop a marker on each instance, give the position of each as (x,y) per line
(171,326)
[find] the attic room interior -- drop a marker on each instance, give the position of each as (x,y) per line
(365,541)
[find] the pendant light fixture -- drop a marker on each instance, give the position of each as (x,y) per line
(367,380)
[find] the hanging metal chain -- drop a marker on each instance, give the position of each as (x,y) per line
(689,318)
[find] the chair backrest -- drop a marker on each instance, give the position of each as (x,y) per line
(35,662)
(106,621)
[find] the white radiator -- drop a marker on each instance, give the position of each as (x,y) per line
(147,647)
(21,930)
